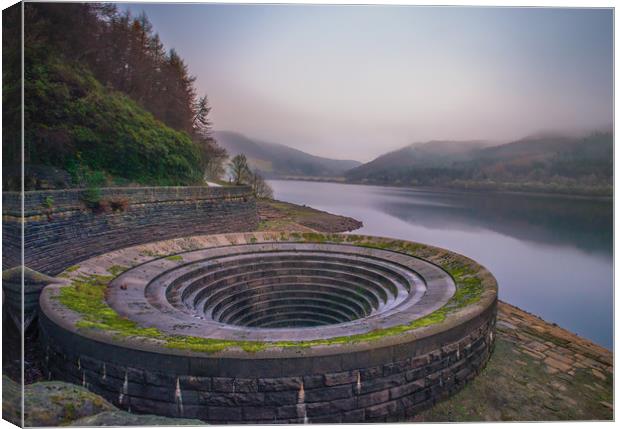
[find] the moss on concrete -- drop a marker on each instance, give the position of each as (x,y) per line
(86,296)
(116,270)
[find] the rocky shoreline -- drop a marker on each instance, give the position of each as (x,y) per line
(281,216)
(538,372)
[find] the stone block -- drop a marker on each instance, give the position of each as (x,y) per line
(328,394)
(338,378)
(279,384)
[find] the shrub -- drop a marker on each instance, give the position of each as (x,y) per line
(91,197)
(119,204)
(48,207)
(48,202)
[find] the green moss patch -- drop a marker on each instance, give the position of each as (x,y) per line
(116,270)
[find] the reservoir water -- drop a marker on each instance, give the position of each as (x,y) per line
(552,256)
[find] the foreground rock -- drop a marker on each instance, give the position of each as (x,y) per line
(54,403)
(538,371)
(280,216)
(11,401)
(123,418)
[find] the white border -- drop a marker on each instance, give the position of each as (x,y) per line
(483,3)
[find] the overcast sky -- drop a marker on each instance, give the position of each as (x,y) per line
(356,81)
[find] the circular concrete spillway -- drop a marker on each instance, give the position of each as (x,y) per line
(355,328)
(281,291)
(295,288)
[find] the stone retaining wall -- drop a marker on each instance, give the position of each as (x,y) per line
(376,385)
(62,233)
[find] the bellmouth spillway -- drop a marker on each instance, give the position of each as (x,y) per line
(273,327)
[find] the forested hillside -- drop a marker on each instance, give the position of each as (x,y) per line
(551,163)
(104,100)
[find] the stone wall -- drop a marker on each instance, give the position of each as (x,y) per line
(59,230)
(372,385)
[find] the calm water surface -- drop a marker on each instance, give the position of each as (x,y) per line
(551,256)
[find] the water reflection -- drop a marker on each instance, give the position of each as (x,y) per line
(551,256)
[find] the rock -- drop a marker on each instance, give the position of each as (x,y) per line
(54,403)
(598,374)
(558,365)
(11,401)
(123,418)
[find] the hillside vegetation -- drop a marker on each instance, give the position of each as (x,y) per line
(276,160)
(73,119)
(572,165)
(104,102)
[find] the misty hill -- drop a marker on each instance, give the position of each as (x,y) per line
(543,147)
(277,160)
(434,153)
(547,163)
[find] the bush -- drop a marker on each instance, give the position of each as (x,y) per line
(119,204)
(91,197)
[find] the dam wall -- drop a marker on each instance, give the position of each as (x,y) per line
(64,227)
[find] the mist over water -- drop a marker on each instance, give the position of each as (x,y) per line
(552,256)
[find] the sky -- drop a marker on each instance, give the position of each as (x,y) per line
(353,82)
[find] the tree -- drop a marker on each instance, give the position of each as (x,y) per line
(239,169)
(213,157)
(200,122)
(260,188)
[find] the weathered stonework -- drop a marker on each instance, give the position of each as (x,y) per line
(59,230)
(386,384)
(384,378)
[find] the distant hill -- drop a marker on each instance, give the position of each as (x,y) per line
(435,153)
(545,163)
(277,160)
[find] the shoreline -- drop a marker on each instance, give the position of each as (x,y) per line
(454,190)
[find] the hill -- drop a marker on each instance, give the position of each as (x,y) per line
(546,163)
(277,160)
(430,154)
